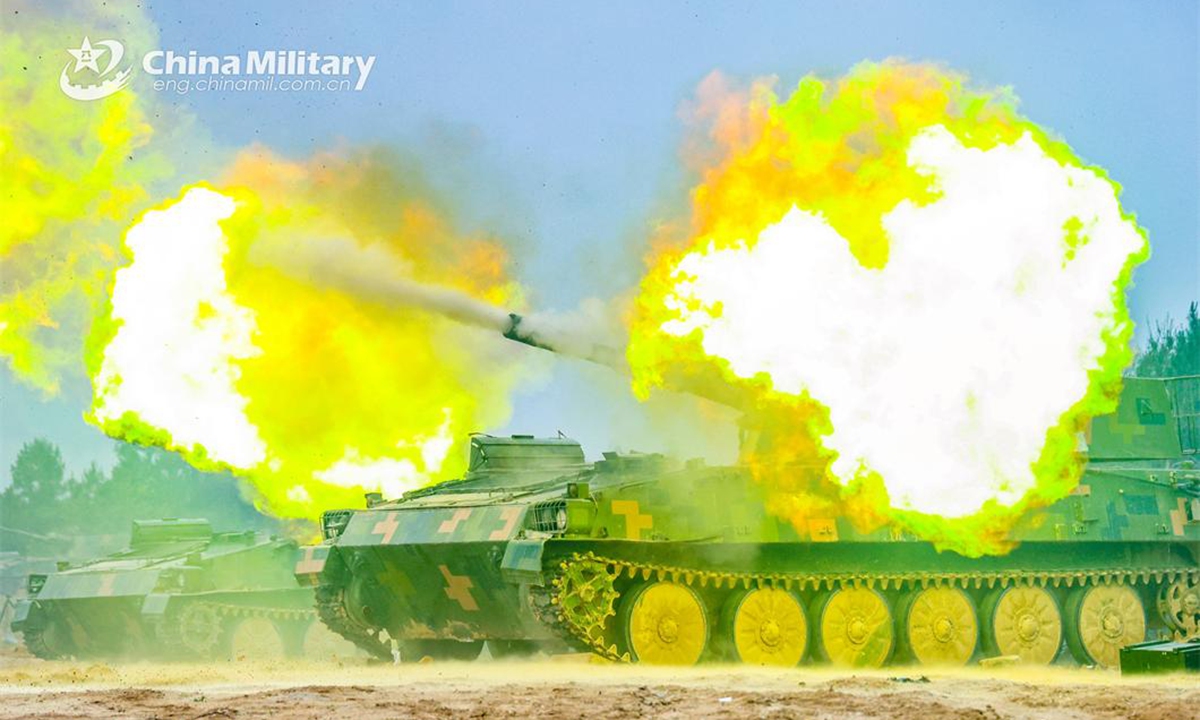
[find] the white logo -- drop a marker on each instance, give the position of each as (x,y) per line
(102,84)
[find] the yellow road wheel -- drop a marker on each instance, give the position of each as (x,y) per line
(665,623)
(940,627)
(256,639)
(769,627)
(1102,620)
(1026,622)
(856,628)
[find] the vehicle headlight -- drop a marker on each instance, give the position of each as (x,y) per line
(570,516)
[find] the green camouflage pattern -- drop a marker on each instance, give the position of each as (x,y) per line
(128,603)
(465,560)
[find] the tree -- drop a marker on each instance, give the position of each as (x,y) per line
(149,482)
(37,477)
(1171,350)
(145,483)
(37,473)
(37,489)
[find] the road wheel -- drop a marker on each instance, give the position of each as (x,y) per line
(1023,621)
(368,603)
(767,626)
(939,627)
(418,650)
(1102,620)
(664,623)
(855,627)
(256,638)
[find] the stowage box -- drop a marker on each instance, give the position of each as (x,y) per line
(1160,657)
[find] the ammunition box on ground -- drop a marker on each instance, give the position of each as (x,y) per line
(1160,657)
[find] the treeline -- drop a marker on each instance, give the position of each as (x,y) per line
(1172,349)
(43,510)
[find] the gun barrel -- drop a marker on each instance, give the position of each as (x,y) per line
(520,331)
(514,332)
(704,385)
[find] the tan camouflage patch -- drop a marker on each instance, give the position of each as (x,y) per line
(458,589)
(509,515)
(309,563)
(455,520)
(1177,517)
(386,528)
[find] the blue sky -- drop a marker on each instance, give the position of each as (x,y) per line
(558,122)
(574,106)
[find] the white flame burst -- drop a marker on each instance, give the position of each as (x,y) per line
(172,362)
(943,370)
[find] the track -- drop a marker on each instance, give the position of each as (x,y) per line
(331,608)
(627,611)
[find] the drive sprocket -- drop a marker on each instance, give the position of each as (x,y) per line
(586,598)
(331,609)
(200,628)
(46,637)
(1179,605)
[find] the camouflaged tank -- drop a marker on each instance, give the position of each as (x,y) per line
(179,591)
(640,558)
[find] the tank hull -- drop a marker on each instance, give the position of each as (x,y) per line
(179,592)
(635,558)
(492,575)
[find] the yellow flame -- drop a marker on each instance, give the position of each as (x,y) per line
(198,343)
(920,290)
(314,394)
(73,172)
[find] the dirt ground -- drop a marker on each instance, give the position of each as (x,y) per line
(574,687)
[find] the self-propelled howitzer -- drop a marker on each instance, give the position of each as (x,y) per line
(643,558)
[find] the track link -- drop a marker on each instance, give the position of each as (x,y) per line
(331,608)
(572,605)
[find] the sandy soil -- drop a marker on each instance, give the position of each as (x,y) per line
(574,687)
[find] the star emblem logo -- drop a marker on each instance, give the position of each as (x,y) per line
(86,56)
(102,81)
